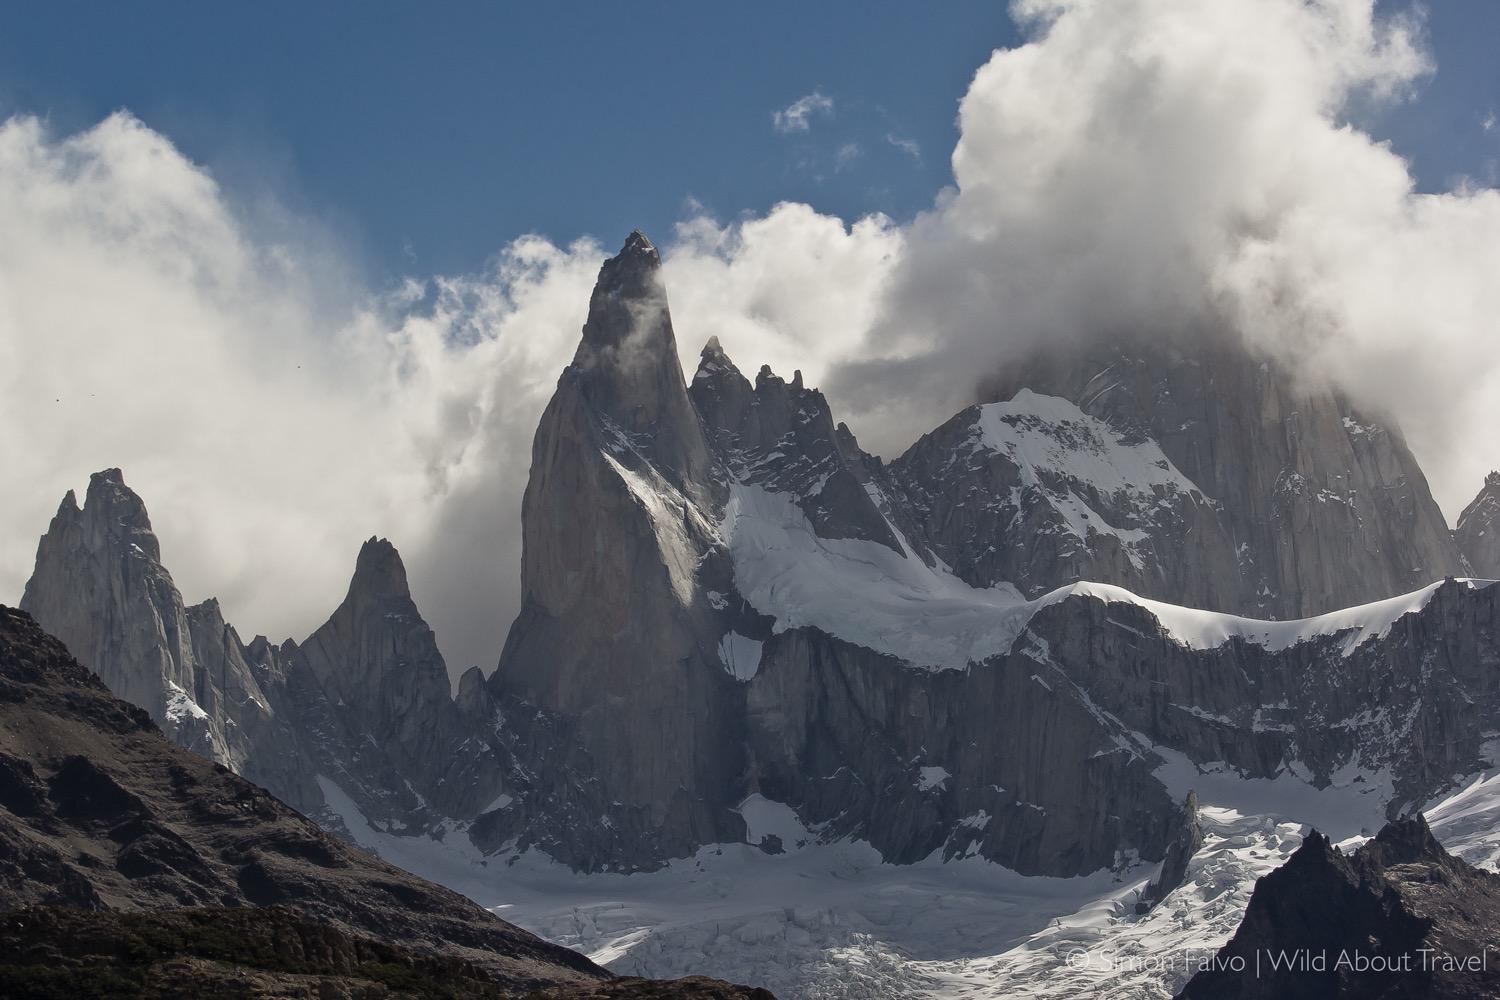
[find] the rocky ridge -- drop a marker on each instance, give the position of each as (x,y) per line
(1399,917)
(1478,531)
(361,708)
(1278,499)
(186,873)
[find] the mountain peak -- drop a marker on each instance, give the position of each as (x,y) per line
(627,371)
(116,505)
(1478,530)
(379,572)
(628,319)
(69,505)
(1406,841)
(713,361)
(637,244)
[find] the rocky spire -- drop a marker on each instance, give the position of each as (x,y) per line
(620,556)
(372,676)
(100,587)
(1478,531)
(379,572)
(378,658)
(627,368)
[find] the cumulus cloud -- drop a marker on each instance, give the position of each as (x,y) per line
(795,289)
(796,117)
(1175,166)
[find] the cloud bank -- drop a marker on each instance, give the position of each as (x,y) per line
(1175,166)
(1156,165)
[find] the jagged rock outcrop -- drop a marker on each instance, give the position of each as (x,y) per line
(619,627)
(781,436)
(1399,917)
(99,811)
(363,704)
(1321,506)
(1478,531)
(1186,843)
(373,674)
(99,586)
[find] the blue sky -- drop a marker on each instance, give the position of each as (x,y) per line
(431,134)
(426,136)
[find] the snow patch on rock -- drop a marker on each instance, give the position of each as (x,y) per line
(740,655)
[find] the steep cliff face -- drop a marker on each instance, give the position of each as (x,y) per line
(1036,493)
(1478,531)
(1323,506)
(99,586)
(372,674)
(623,576)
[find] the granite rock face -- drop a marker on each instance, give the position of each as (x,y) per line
(619,629)
(1037,493)
(1323,506)
(1399,917)
(1478,531)
(372,674)
(99,586)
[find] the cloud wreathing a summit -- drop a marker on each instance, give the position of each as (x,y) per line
(1170,166)
(1137,165)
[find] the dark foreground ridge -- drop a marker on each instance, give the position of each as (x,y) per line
(130,867)
(1398,918)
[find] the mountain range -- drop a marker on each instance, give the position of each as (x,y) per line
(1028,639)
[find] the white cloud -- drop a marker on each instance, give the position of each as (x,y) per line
(794,289)
(1166,165)
(908,146)
(269,430)
(795,117)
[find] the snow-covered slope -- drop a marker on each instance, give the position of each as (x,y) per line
(868,594)
(829,920)
(1073,460)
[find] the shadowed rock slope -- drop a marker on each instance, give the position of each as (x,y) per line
(1478,531)
(1398,918)
(99,813)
